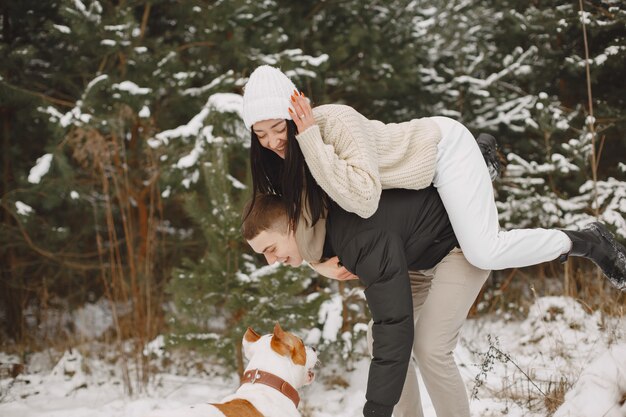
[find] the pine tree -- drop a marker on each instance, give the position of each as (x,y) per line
(560,187)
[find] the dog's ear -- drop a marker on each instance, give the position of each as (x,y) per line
(286,344)
(249,338)
(278,331)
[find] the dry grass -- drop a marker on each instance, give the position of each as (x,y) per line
(555,394)
(511,293)
(514,291)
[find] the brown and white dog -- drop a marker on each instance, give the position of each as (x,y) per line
(279,364)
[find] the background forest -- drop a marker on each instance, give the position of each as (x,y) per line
(125,162)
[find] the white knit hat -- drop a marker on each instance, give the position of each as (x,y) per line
(266,95)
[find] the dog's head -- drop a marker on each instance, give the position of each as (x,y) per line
(280,353)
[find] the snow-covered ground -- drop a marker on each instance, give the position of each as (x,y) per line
(519,366)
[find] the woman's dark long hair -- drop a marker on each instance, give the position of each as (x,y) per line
(289,178)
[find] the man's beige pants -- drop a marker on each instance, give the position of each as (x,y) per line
(442,297)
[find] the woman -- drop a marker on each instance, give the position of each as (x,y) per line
(296,150)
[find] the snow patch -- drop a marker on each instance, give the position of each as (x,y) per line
(131,88)
(95,81)
(330,315)
(23,209)
(600,389)
(144,112)
(93,319)
(236,183)
(191,159)
(62,28)
(40,169)
(221,102)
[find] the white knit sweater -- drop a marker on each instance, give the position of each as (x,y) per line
(353,158)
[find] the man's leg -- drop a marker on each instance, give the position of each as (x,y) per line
(410,403)
(454,287)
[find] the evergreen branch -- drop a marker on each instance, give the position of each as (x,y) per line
(43,96)
(194,44)
(46,254)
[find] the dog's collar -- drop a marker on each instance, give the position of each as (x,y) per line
(256,376)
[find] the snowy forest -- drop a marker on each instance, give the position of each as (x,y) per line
(125,283)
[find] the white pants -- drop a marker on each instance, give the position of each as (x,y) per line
(462,180)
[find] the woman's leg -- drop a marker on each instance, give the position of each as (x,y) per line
(454,287)
(463,182)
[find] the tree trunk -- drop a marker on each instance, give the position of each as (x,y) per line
(10,290)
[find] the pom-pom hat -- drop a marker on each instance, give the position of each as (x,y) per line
(266,95)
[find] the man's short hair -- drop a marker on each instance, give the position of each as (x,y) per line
(264,212)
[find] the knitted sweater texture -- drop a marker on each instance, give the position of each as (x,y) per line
(353,158)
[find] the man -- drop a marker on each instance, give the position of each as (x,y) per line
(419,288)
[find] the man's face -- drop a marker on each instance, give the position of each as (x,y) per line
(277,247)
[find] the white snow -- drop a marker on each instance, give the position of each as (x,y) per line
(558,341)
(155,347)
(601,388)
(221,102)
(116,28)
(236,183)
(131,88)
(23,209)
(190,129)
(191,179)
(330,316)
(95,81)
(190,159)
(62,28)
(226,103)
(93,13)
(40,169)
(196,91)
(144,112)
(93,319)
(75,116)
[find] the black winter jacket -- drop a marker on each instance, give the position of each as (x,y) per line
(409,231)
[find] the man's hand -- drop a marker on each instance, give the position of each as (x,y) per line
(332,269)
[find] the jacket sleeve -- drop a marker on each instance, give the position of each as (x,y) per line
(345,166)
(377,258)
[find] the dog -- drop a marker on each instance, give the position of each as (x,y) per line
(278,365)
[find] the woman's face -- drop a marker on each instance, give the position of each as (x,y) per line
(272,135)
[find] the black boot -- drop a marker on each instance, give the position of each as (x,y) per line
(489,147)
(598,244)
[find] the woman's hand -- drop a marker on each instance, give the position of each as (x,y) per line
(332,269)
(302,114)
